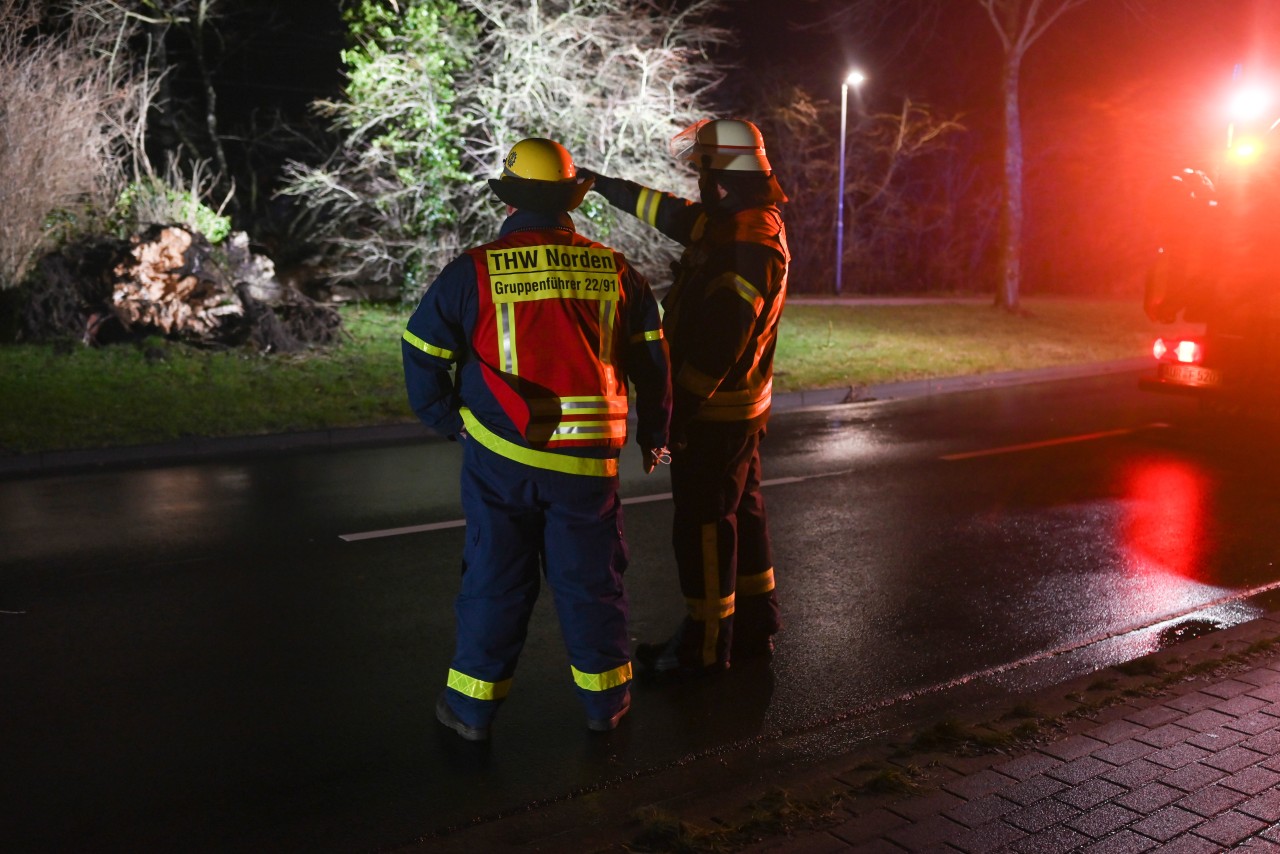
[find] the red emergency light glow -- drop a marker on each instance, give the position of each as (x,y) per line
(1165,524)
(1186,352)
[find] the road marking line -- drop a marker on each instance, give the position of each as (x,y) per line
(637,499)
(1047,443)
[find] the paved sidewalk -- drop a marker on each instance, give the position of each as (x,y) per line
(1177,752)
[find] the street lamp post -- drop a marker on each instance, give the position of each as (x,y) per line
(855,79)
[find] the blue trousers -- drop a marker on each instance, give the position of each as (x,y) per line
(523,523)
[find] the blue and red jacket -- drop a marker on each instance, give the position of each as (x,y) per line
(530,343)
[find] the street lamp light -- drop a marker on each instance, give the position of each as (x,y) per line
(854,79)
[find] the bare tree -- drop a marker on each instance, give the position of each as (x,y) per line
(903,218)
(802,147)
(1019,24)
(897,208)
(612,79)
(72,120)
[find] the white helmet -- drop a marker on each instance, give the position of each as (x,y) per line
(733,145)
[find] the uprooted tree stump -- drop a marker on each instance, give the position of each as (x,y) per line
(171,281)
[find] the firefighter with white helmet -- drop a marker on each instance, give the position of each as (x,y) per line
(524,348)
(721,321)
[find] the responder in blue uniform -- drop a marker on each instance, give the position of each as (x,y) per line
(721,322)
(523,350)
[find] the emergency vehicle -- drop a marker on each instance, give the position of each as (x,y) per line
(1218,266)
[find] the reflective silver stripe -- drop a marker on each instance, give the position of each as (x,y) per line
(429,349)
(591,405)
(567,430)
(507,338)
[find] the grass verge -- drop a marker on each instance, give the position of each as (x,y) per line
(72,397)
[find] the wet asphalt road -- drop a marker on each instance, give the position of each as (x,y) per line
(194,658)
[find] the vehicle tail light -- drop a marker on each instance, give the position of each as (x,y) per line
(1186,351)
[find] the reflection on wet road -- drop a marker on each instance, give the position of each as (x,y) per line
(245,654)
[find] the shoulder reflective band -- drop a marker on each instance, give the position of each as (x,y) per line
(477,688)
(537,459)
(647,205)
(757,584)
(740,286)
(614,678)
(429,349)
(647,335)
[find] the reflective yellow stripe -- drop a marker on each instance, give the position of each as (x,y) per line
(740,287)
(756,585)
(711,610)
(747,291)
(694,380)
(536,458)
(739,405)
(608,316)
(614,678)
(429,349)
(650,335)
(711,593)
(699,226)
(647,205)
(478,688)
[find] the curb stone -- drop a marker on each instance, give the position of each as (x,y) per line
(197,449)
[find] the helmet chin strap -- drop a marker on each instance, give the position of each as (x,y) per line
(710,192)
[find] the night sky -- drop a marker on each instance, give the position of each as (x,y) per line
(1176,52)
(1118,94)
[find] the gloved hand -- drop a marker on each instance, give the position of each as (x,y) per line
(655,456)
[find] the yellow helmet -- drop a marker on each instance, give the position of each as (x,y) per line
(538,174)
(732,145)
(538,159)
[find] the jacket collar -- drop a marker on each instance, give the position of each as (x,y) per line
(525,220)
